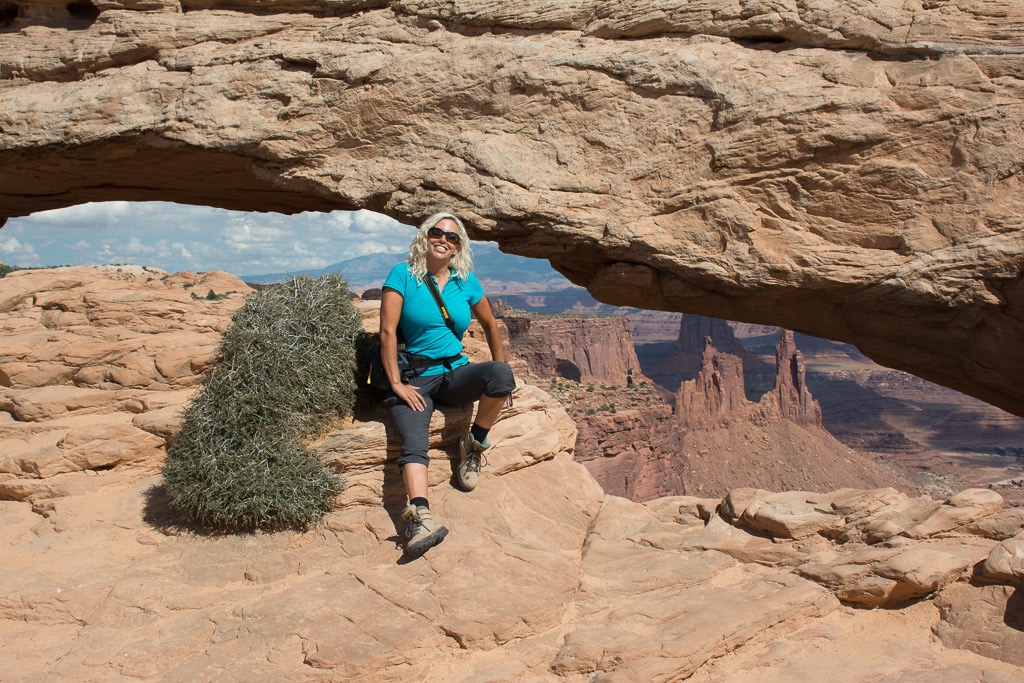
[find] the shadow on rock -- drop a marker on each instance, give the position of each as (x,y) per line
(161,515)
(1014,617)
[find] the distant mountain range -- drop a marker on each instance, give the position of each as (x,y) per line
(491,265)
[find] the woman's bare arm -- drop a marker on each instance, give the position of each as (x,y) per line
(390,313)
(484,315)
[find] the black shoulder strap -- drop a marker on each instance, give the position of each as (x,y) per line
(440,304)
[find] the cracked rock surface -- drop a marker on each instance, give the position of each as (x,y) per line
(543,577)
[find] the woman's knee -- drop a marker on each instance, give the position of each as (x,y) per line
(500,381)
(419,458)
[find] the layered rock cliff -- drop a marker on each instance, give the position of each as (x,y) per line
(670,364)
(578,349)
(849,170)
(95,365)
(791,399)
(715,397)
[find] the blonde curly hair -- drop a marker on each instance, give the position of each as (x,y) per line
(462,262)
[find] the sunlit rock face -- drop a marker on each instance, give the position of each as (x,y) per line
(96,365)
(580,349)
(849,170)
(543,577)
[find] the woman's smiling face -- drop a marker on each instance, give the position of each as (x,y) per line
(440,247)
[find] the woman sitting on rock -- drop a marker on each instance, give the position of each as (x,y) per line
(434,367)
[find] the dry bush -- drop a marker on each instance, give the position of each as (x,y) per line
(286,368)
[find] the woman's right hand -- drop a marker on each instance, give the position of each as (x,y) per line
(410,395)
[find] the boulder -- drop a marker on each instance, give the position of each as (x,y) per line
(999,526)
(924,569)
(964,508)
(1005,564)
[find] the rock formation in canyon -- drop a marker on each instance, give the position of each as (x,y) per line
(578,349)
(849,170)
(544,577)
(717,397)
(716,440)
(670,364)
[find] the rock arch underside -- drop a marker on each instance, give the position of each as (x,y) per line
(850,170)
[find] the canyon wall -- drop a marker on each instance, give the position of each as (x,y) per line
(637,445)
(715,397)
(582,350)
(791,399)
(849,170)
(670,364)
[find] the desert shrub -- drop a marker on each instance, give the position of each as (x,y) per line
(285,369)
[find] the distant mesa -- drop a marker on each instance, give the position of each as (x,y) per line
(497,271)
(580,350)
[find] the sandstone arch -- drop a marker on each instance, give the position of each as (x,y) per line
(851,172)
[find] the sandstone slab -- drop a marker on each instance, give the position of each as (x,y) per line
(100,363)
(649,628)
(964,508)
(976,619)
(543,577)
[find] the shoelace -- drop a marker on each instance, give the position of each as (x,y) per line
(414,526)
(475,460)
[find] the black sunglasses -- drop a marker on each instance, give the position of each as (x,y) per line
(437,233)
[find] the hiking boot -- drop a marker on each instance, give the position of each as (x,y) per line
(423,533)
(471,459)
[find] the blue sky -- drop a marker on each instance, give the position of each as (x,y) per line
(177,237)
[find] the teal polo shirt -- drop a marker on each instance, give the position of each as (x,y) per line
(421,324)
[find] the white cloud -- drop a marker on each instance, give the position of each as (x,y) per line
(135,246)
(182,237)
(181,250)
(94,212)
(9,246)
(242,236)
(378,223)
(16,253)
(342,220)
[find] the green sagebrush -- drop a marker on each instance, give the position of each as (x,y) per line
(286,367)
